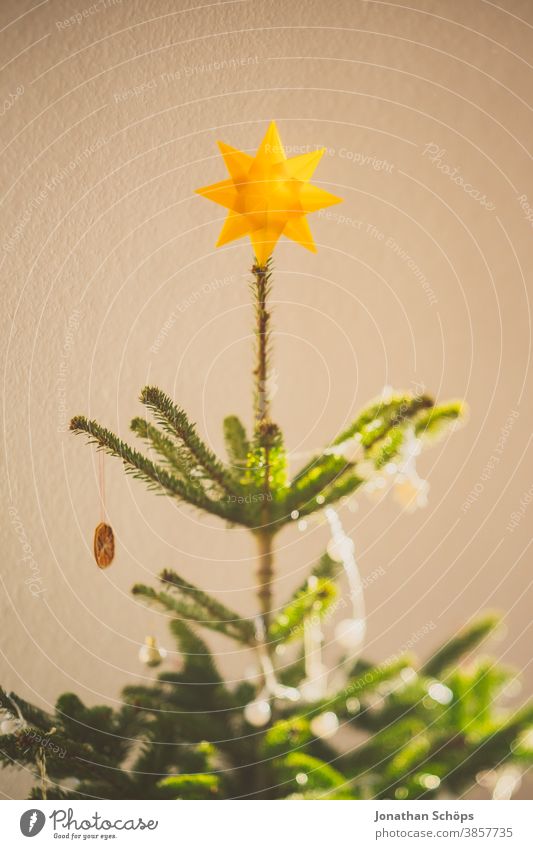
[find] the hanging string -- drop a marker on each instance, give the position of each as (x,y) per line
(104,538)
(101,485)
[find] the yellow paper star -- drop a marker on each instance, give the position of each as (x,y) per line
(268,195)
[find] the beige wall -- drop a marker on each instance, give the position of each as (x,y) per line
(109,125)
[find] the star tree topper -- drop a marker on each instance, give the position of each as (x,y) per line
(268,195)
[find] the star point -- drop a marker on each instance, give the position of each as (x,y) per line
(268,195)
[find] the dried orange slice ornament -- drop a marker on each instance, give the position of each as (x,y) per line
(104,545)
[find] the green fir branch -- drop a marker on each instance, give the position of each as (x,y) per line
(325,568)
(166,448)
(459,645)
(381,430)
(314,600)
(189,611)
(237,445)
(358,687)
(24,711)
(245,627)
(155,476)
(197,786)
(376,419)
(432,423)
(344,486)
(199,668)
(319,775)
(175,421)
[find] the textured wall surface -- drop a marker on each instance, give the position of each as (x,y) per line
(110,114)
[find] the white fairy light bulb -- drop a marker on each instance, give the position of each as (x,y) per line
(350,633)
(487,778)
(257,713)
(429,781)
(340,548)
(333,551)
(410,490)
(10,725)
(151,654)
(440,693)
(325,725)
(353,705)
(408,675)
(508,782)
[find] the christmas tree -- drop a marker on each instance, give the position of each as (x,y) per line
(422,731)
